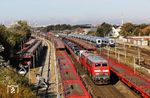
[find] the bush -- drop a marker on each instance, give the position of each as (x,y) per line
(9,77)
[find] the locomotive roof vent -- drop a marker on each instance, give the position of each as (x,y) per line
(94,58)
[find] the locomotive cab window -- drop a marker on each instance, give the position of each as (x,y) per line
(104,64)
(97,65)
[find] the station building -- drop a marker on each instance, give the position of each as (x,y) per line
(139,40)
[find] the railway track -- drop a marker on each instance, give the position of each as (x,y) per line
(128,81)
(130,61)
(131,54)
(134,51)
(103,91)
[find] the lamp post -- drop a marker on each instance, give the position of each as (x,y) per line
(125,52)
(138,54)
(29,74)
(108,51)
(115,51)
(118,56)
(134,63)
(100,50)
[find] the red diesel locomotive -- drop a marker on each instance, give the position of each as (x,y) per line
(96,66)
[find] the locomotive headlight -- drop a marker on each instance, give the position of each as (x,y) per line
(97,70)
(98,41)
(105,70)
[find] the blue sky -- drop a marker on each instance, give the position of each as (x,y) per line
(43,12)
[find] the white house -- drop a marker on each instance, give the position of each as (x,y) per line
(115,32)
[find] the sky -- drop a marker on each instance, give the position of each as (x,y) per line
(44,12)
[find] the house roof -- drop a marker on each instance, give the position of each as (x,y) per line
(146,28)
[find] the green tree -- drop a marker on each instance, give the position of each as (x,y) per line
(127,29)
(93,33)
(57,27)
(137,32)
(100,32)
(4,41)
(147,33)
(2,31)
(104,29)
(12,37)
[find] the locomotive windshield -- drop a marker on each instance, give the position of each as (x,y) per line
(97,65)
(104,64)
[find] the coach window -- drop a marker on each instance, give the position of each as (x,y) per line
(97,65)
(104,64)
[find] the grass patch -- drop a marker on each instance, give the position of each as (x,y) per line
(10,77)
